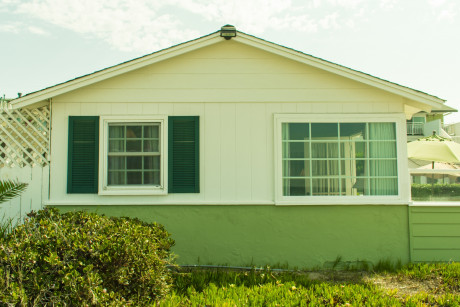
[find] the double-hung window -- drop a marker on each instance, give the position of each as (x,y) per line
(133,156)
(351,157)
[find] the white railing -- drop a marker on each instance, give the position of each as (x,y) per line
(415,128)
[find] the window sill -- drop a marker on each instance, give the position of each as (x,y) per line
(352,201)
(133,191)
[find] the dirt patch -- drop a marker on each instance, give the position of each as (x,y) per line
(338,276)
(404,286)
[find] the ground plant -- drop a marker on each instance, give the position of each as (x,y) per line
(80,258)
(412,285)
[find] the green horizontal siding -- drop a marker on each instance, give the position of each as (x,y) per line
(434,233)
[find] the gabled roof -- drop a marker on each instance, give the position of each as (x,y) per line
(428,102)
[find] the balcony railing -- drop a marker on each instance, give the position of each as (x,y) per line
(415,128)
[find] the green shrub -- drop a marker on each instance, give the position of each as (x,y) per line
(437,190)
(80,258)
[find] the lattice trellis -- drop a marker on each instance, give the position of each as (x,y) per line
(24,136)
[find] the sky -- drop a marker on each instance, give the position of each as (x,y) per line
(415,43)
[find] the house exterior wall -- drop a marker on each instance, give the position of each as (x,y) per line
(299,236)
(236,91)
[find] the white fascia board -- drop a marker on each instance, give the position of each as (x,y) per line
(116,70)
(434,102)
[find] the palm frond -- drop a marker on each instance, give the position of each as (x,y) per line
(10,189)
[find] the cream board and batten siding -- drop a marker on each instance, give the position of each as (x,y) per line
(236,90)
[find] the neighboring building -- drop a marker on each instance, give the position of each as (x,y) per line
(454,131)
(247,151)
(423,124)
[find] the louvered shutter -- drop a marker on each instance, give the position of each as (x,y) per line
(82,173)
(183,154)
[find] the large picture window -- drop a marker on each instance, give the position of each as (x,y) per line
(351,158)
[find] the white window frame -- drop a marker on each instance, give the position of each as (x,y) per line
(104,188)
(399,119)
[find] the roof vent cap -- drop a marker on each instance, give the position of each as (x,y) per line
(228,31)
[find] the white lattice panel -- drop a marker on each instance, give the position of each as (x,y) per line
(24,136)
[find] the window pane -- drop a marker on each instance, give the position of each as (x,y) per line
(134,163)
(353,168)
(353,150)
(151,146)
(296,149)
(296,187)
(324,131)
(152,178)
(384,186)
(117,163)
(134,177)
(296,168)
(116,178)
(295,131)
(326,187)
(355,131)
(382,149)
(324,150)
(116,132)
(152,163)
(151,131)
(383,168)
(325,167)
(353,186)
(116,146)
(133,132)
(133,146)
(382,131)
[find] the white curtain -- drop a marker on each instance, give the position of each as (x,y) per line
(382,147)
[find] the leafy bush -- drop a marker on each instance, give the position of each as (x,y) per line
(80,258)
(437,190)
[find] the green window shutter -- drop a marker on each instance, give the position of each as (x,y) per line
(183,154)
(82,171)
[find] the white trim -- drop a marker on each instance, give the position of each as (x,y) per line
(403,175)
(197,203)
(166,203)
(435,204)
(103,188)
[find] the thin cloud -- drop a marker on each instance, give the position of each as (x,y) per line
(148,25)
(10,28)
(37,30)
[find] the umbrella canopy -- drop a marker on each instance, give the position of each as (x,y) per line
(434,148)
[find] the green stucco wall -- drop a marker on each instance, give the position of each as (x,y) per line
(300,236)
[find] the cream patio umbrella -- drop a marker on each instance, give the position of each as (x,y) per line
(435,149)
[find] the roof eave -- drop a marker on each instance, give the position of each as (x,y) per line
(113,71)
(432,102)
(299,56)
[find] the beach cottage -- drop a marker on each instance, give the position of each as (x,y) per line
(247,151)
